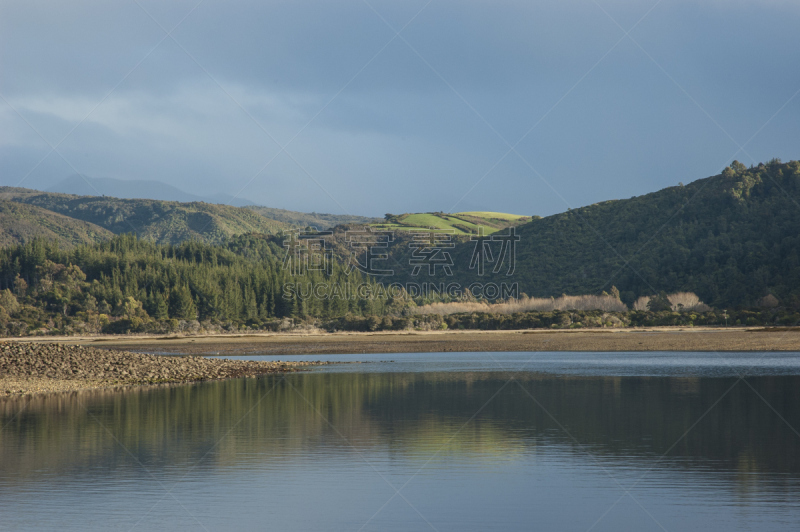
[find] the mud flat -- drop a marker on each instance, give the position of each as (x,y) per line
(29,368)
(654,339)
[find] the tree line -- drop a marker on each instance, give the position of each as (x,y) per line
(127,284)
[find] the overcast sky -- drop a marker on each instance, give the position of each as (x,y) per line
(523,107)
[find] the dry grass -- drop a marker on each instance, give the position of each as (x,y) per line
(606,303)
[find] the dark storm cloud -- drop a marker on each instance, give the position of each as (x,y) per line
(408,129)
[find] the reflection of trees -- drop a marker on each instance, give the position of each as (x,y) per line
(411,415)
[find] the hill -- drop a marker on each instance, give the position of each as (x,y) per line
(165,222)
(20,223)
(459,223)
(314,219)
(136,189)
(156,190)
(732,239)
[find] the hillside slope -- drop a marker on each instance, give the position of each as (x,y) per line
(310,219)
(165,222)
(731,238)
(20,223)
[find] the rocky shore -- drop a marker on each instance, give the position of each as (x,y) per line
(27,368)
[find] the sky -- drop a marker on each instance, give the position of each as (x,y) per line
(370,107)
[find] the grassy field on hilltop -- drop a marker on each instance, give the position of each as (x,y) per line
(491,215)
(459,223)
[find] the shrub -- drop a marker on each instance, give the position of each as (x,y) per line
(124,325)
(768,301)
(8,301)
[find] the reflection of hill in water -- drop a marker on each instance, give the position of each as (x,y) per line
(237,422)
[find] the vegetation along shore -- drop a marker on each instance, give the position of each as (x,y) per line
(710,253)
(720,274)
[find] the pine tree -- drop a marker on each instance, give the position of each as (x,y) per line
(181,304)
(157,306)
(250,306)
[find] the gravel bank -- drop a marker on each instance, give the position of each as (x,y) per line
(27,368)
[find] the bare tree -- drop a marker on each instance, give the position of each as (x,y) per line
(527,304)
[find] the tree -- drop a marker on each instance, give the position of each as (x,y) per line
(614,292)
(104,307)
(373,322)
(738,167)
(47,272)
(181,304)
(132,308)
(90,303)
(659,303)
(250,304)
(8,301)
(157,306)
(20,286)
(72,277)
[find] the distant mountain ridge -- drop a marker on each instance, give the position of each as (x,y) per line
(156,190)
(137,189)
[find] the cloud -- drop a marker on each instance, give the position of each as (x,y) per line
(420,123)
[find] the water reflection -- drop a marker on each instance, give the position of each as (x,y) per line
(460,428)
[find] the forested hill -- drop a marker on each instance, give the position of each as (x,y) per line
(732,239)
(140,286)
(21,223)
(163,222)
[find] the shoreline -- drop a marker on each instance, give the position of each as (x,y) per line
(296,343)
(36,365)
(33,368)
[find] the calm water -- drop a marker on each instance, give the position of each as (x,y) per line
(455,441)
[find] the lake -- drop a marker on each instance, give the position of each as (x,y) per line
(438,441)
